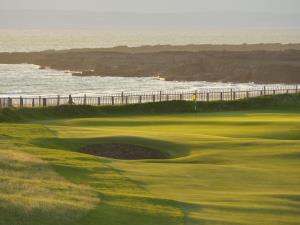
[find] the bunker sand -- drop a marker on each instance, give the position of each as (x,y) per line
(124,151)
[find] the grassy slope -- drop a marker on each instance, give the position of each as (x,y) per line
(30,191)
(232,168)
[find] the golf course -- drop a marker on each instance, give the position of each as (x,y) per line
(166,163)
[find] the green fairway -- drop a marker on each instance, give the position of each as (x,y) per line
(239,167)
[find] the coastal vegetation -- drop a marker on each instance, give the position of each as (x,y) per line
(275,102)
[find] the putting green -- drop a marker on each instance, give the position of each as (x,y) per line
(226,168)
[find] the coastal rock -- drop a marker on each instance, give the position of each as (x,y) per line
(268,66)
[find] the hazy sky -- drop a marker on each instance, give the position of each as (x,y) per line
(285,6)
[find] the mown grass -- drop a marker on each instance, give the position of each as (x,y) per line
(236,163)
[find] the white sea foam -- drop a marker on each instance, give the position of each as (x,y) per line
(29,80)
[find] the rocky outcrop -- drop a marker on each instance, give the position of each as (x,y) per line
(282,66)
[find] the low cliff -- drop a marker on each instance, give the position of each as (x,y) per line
(260,66)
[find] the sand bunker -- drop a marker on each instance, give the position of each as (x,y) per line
(124,151)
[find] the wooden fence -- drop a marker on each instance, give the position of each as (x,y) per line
(139,98)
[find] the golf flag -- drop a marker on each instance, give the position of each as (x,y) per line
(194,98)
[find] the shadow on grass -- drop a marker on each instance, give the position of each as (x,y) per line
(130,123)
(118,209)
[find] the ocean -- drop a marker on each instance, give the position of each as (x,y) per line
(38,40)
(29,80)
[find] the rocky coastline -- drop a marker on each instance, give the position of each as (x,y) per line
(273,63)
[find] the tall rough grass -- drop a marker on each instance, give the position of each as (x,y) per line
(31,193)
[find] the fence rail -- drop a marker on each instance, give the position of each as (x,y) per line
(134,98)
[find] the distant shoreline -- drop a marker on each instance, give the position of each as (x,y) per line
(259,63)
(188,48)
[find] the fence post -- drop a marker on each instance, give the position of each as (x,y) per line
(160,96)
(274,92)
(21,102)
(296,88)
(264,90)
(33,103)
(70,100)
(112,100)
(99,102)
(234,97)
(196,97)
(261,93)
(44,102)
(153,98)
(140,99)
(126,99)
(0,102)
(181,97)
(58,100)
(231,94)
(207,96)
(84,99)
(40,101)
(247,94)
(167,97)
(9,102)
(221,96)
(122,97)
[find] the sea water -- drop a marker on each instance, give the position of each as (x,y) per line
(36,40)
(29,80)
